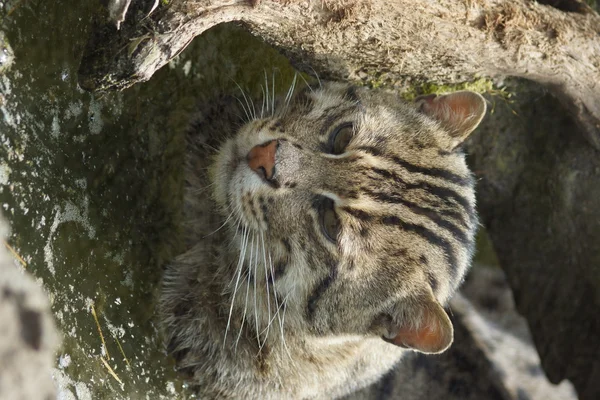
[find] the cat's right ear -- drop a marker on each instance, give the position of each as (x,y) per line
(425,328)
(459,113)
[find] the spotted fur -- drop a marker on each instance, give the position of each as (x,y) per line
(263,304)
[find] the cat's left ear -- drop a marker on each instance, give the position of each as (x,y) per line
(429,330)
(459,113)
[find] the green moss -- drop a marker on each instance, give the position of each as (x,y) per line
(376,83)
(481,85)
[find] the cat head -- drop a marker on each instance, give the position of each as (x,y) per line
(354,211)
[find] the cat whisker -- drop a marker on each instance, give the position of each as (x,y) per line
(202,169)
(240,117)
(237,228)
(248,119)
(307,84)
(239,272)
(236,222)
(253,107)
(273,94)
(250,108)
(283,324)
(277,309)
(318,79)
(245,308)
(202,189)
(251,252)
(220,227)
(208,146)
(262,109)
(268,294)
(277,305)
(267,91)
(255,293)
(290,92)
(244,245)
(239,217)
(274,315)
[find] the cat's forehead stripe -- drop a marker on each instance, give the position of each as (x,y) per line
(429,171)
(445,194)
(426,234)
(419,230)
(427,212)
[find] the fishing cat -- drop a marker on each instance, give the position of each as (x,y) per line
(325,236)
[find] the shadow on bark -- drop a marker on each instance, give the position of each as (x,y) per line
(539,198)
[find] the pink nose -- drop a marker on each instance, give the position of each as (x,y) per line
(261,159)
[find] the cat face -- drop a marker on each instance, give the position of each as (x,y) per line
(354,212)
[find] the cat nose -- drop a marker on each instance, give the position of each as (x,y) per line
(261,159)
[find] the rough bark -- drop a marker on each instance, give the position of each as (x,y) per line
(7,55)
(539,197)
(395,42)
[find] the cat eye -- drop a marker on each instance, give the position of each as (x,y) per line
(340,138)
(330,223)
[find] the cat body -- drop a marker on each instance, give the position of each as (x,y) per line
(324,239)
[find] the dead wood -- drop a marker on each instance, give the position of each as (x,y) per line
(395,43)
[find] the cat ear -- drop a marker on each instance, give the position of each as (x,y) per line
(432,333)
(459,113)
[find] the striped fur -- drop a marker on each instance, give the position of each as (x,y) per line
(263,305)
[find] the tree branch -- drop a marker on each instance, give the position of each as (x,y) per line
(395,43)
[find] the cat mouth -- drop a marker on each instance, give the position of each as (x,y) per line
(250,210)
(247,174)
(247,198)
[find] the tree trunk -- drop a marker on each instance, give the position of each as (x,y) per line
(538,196)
